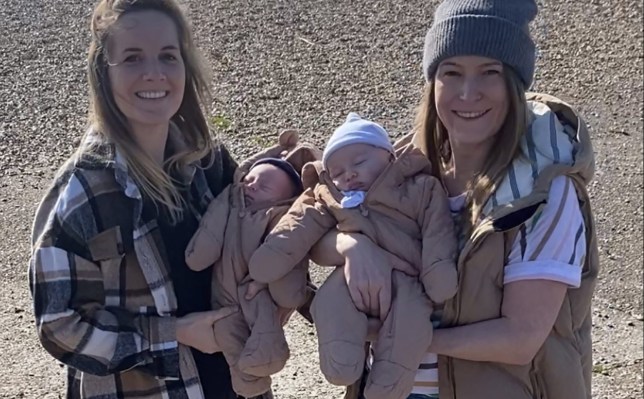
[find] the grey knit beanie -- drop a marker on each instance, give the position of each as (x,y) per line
(495,29)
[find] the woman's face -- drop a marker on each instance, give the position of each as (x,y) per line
(471,98)
(146,69)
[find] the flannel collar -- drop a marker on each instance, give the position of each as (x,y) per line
(105,155)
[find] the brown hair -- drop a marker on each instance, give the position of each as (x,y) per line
(432,137)
(108,122)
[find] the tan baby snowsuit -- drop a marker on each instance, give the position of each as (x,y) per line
(406,212)
(252,340)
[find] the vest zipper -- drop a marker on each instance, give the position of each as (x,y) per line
(450,370)
(481,231)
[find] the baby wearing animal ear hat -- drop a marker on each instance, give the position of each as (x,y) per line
(235,224)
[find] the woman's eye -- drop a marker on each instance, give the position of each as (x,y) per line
(492,72)
(451,73)
(132,58)
(169,57)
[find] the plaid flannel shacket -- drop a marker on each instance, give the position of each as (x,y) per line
(103,299)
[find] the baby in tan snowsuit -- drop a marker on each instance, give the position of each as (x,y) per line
(234,225)
(362,186)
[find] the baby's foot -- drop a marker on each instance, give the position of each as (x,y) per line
(264,353)
(249,386)
(389,380)
(342,362)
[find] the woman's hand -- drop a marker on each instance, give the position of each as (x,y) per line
(325,252)
(196,329)
(368,270)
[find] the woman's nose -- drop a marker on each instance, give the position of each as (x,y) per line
(470,90)
(154,71)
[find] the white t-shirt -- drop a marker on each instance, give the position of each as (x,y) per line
(550,246)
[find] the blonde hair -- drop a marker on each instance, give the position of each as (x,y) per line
(432,137)
(108,122)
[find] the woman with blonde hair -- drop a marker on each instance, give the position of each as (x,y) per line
(113,298)
(515,166)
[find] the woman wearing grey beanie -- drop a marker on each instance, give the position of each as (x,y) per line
(515,166)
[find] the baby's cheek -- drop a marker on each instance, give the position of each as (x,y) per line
(338,184)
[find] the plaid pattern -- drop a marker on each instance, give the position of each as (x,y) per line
(103,298)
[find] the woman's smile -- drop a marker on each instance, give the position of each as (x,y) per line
(152,95)
(471,115)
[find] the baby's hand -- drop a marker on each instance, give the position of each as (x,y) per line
(253,288)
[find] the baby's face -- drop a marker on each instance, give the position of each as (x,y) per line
(356,166)
(267,183)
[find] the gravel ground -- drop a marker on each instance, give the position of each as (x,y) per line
(305,64)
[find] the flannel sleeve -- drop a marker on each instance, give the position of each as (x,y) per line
(74,322)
